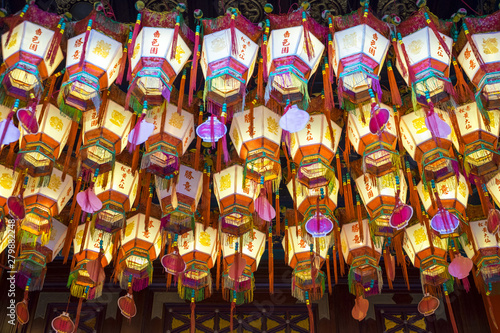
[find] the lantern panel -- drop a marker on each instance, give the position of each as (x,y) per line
(307,197)
(136,236)
(8,180)
(299,249)
(53,196)
(493,186)
(202,247)
(55,242)
(92,246)
(453,195)
(230,190)
(417,246)
(482,237)
(252,251)
(121,186)
(469,63)
(352,244)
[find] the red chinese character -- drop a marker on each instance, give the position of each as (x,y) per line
(156,34)
(78,42)
(76,55)
(375,36)
(38,32)
(154,50)
(35,40)
(356,239)
(286,34)
(33,47)
(355,227)
(285,50)
(370,194)
(247,118)
(372,50)
(472,64)
(187,186)
(440,51)
(467,54)
(189,174)
(250,246)
(155,42)
(146,233)
(242,56)
(302,244)
(185,245)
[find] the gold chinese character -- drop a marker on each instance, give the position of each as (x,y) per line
(54,183)
(102,49)
(490,45)
(419,236)
(129,229)
(176,120)
(272,125)
(179,51)
(13,40)
(225,182)
(419,125)
(350,40)
(415,46)
(117,118)
(205,238)
(56,123)
(6,181)
(236,137)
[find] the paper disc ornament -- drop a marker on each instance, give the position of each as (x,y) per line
(294,119)
(319,226)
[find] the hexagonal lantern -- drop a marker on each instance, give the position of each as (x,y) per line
(363,255)
(480,140)
(260,147)
(235,198)
(431,260)
(379,197)
(117,190)
(44,201)
(293,55)
(359,54)
(28,53)
(313,150)
(453,196)
(171,137)
(141,244)
(94,69)
(428,70)
(378,151)
(228,69)
(477,44)
(179,205)
(88,248)
(154,65)
(431,153)
(103,141)
(8,179)
(38,152)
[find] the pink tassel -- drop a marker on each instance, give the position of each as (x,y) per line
(56,41)
(176,36)
(431,25)
(307,37)
(137,27)
(407,59)
(84,49)
(194,66)
(234,43)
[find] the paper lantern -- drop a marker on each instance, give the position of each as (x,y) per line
(103,140)
(44,201)
(378,151)
(170,139)
(93,69)
(34,257)
(90,255)
(478,47)
(363,255)
(235,198)
(198,248)
(359,54)
(117,190)
(258,145)
(29,54)
(493,188)
(154,64)
(179,205)
(453,195)
(294,51)
(423,57)
(430,152)
(485,253)
(38,152)
(242,287)
(227,67)
(141,245)
(313,150)
(379,197)
(430,260)
(480,140)
(8,179)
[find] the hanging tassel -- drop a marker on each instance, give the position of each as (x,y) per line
(176,37)
(232,26)
(79,309)
(263,51)
(307,38)
(251,126)
(327,88)
(411,78)
(10,155)
(277,205)
(260,80)
(123,61)
(462,87)
(270,260)
(341,255)
(334,255)
(198,141)
(286,241)
(193,316)
(400,257)
(360,218)
(450,309)
(233,305)
(17,21)
(56,42)
(395,96)
(339,173)
(328,275)
(102,107)
(86,40)
(71,143)
(492,313)
(137,27)
(148,204)
(217,281)
(311,314)
(386,263)
(194,66)
(180,100)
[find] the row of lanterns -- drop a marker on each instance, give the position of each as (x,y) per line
(112,222)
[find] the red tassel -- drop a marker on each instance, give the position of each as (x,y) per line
(408,63)
(78,311)
(176,37)
(395,96)
(217,281)
(148,205)
(86,40)
(194,66)
(450,312)
(71,143)
(327,88)
(311,316)
(461,87)
(286,242)
(360,219)
(233,305)
(260,80)
(278,222)
(263,51)
(307,37)
(251,127)
(180,100)
(56,41)
(232,26)
(10,155)
(270,262)
(386,263)
(137,27)
(339,173)
(334,255)
(123,63)
(198,142)
(328,275)
(193,316)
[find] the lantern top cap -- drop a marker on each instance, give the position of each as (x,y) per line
(223,22)
(293,19)
(418,20)
(477,25)
(100,22)
(150,18)
(38,16)
(357,18)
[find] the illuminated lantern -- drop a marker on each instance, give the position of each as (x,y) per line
(32,52)
(449,195)
(141,244)
(38,152)
(91,256)
(103,141)
(44,201)
(313,150)
(480,141)
(171,137)
(154,64)
(485,254)
(179,205)
(235,198)
(240,290)
(33,258)
(93,69)
(293,54)
(360,45)
(198,248)
(423,57)
(431,260)
(306,260)
(431,153)
(8,180)
(259,145)
(478,57)
(227,67)
(365,275)
(379,197)
(378,151)
(117,190)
